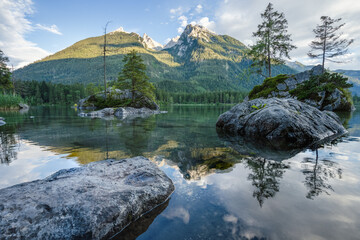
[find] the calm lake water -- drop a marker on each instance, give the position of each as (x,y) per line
(225,189)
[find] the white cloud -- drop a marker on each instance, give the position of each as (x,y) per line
(176,11)
(207,23)
(180,30)
(13,27)
(240,18)
(183,21)
(53,28)
(199,8)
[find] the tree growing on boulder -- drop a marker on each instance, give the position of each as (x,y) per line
(328,44)
(5,74)
(273,41)
(133,76)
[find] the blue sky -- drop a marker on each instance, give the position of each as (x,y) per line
(33,29)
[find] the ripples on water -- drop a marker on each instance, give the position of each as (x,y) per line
(223,189)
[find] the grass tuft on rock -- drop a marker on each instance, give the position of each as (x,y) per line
(269,85)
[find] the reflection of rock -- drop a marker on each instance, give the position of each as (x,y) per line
(317,174)
(90,202)
(121,113)
(284,123)
(135,229)
(265,177)
(254,148)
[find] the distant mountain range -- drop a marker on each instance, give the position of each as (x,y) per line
(197,61)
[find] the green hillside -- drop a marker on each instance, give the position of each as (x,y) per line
(201,61)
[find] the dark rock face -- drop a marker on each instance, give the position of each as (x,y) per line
(282,123)
(90,202)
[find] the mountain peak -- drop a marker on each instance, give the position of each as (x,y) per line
(120,29)
(197,31)
(172,42)
(150,43)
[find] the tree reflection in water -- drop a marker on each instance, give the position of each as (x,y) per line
(317,175)
(265,177)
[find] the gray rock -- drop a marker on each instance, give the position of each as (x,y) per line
(90,202)
(282,123)
(335,102)
(311,102)
(2,119)
(281,86)
(23,106)
(322,95)
(2,122)
(284,94)
(291,83)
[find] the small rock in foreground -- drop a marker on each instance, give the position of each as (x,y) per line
(282,123)
(90,202)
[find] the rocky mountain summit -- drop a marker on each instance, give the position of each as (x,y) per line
(150,43)
(172,42)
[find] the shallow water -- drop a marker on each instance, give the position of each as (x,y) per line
(223,190)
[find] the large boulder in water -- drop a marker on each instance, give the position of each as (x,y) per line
(90,202)
(282,123)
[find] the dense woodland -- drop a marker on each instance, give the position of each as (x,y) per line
(37,93)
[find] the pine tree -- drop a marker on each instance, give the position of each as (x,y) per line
(5,74)
(328,43)
(273,41)
(133,76)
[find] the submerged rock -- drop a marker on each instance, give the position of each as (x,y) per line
(90,202)
(282,123)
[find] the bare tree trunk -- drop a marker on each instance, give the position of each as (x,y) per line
(324,48)
(269,59)
(105,60)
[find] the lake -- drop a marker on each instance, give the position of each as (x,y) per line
(224,190)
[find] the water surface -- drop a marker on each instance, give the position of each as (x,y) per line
(223,190)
